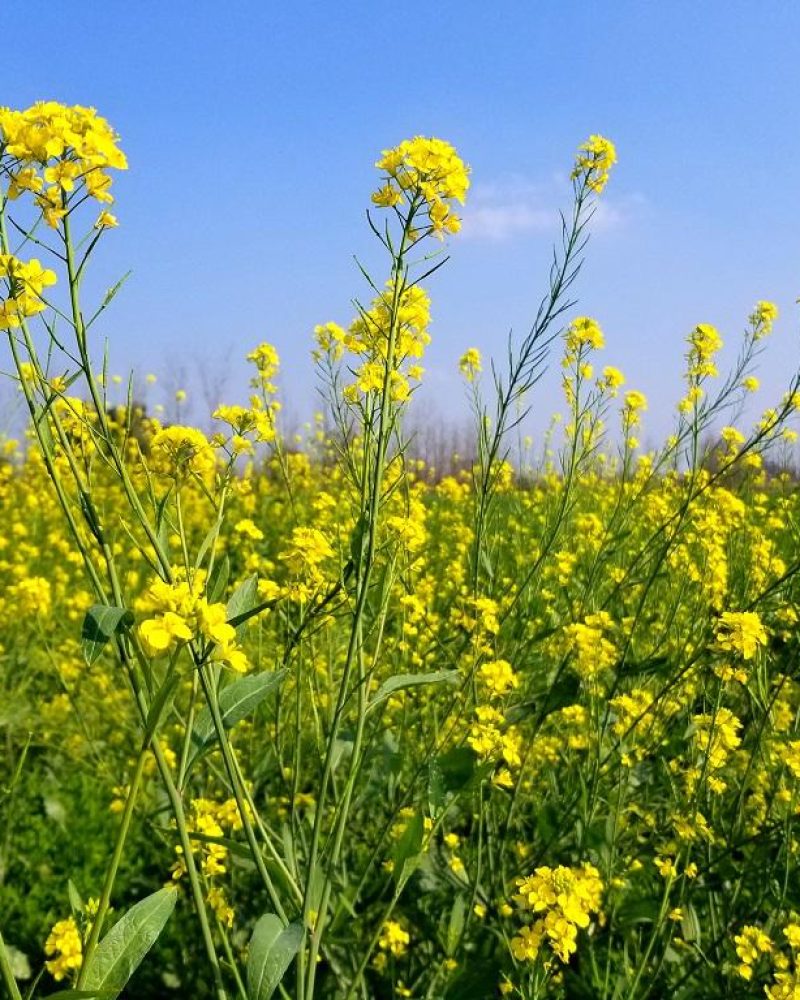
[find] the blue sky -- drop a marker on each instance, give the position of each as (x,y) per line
(252,129)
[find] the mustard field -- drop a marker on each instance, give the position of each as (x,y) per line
(319,720)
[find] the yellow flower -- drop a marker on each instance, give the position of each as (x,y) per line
(178,452)
(594,161)
(741,632)
(212,623)
(105,220)
(762,318)
(161,635)
(394,938)
(65,945)
(498,677)
(470,364)
(427,171)
(584,332)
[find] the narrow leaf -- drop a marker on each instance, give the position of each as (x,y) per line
(218,580)
(401,681)
(455,925)
(82,995)
(162,700)
(407,853)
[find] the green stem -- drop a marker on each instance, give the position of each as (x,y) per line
(111,871)
(364,563)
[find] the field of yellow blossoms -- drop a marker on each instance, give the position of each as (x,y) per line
(322,722)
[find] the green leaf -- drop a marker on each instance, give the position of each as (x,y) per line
(218,580)
(272,948)
(486,563)
(235,702)
(243,599)
(457,768)
(40,418)
(102,621)
(640,910)
(691,928)
(407,853)
(357,540)
(455,925)
(211,536)
(477,981)
(401,681)
(119,953)
(81,995)
(75,901)
(160,702)
(436,790)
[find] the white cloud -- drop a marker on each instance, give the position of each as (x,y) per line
(500,211)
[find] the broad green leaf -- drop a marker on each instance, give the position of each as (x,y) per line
(244,603)
(119,953)
(102,622)
(243,599)
(235,702)
(272,948)
(401,681)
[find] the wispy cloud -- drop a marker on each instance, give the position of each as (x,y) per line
(515,206)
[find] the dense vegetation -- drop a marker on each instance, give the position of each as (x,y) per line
(323,722)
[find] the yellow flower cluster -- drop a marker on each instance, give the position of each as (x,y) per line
(751,943)
(54,150)
(594,161)
(762,319)
(491,738)
(583,332)
(402,320)
(178,453)
(567,898)
(214,821)
(66,948)
(394,938)
(181,614)
(25,284)
(717,736)
(741,632)
(427,171)
(498,677)
(592,653)
(469,364)
(305,556)
(258,422)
